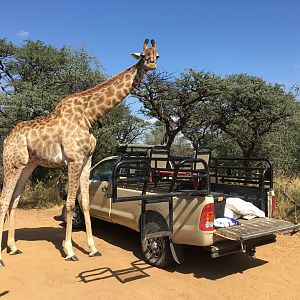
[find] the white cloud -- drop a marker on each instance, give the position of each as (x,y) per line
(23,33)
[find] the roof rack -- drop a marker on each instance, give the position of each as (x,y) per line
(140,150)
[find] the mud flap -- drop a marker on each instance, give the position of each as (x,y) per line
(176,251)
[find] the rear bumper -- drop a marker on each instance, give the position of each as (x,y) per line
(227,247)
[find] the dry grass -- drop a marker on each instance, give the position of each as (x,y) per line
(285,208)
(40,195)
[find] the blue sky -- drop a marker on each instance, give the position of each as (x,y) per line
(258,37)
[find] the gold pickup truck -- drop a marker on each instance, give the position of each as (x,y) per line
(174,201)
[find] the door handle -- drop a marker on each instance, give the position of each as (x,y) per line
(104,188)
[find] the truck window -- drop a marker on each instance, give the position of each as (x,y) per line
(103,171)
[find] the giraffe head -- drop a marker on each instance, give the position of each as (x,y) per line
(149,56)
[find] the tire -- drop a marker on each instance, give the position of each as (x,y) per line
(78,218)
(156,251)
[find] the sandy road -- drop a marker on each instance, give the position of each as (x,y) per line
(41,272)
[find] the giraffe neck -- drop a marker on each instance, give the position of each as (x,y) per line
(89,106)
(110,93)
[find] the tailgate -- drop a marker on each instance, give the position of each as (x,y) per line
(256,228)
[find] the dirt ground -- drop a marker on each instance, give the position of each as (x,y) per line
(41,272)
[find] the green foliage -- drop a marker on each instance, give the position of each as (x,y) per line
(287,191)
(174,102)
(238,115)
(40,195)
(156,134)
(41,76)
(249,109)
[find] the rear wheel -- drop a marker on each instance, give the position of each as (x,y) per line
(78,218)
(156,251)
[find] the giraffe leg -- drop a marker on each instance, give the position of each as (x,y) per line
(84,189)
(74,171)
(6,195)
(26,172)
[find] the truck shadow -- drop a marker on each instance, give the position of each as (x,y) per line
(135,272)
(197,261)
(201,265)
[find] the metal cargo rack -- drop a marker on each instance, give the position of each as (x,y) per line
(243,177)
(156,178)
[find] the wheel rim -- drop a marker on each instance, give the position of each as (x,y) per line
(77,220)
(154,248)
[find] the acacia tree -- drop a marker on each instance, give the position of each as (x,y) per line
(249,109)
(174,101)
(36,77)
(6,53)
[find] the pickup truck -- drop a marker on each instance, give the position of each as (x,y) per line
(174,201)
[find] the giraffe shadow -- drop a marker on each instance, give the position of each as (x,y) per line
(51,234)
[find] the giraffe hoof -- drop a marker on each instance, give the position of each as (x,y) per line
(15,252)
(1,263)
(97,253)
(72,258)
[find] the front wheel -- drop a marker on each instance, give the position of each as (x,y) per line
(156,251)
(78,218)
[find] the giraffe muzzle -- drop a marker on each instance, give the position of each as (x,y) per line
(151,66)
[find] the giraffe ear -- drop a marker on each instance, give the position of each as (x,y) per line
(136,55)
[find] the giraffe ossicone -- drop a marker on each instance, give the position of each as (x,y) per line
(63,138)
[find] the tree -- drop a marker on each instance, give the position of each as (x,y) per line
(6,75)
(40,76)
(156,134)
(249,109)
(283,145)
(174,101)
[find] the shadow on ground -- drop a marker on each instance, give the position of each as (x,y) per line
(2,294)
(197,262)
(135,272)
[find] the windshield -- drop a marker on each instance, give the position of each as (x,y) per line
(103,171)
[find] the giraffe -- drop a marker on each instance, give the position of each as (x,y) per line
(63,138)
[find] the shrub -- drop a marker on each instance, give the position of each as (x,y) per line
(40,195)
(287,188)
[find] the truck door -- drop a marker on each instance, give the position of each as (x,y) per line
(99,180)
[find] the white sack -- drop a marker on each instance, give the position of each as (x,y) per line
(244,208)
(229,213)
